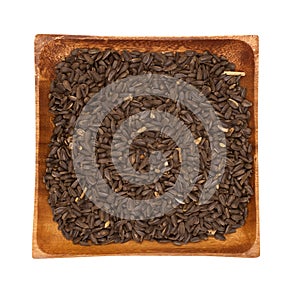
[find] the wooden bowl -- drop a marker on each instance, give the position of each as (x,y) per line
(48,241)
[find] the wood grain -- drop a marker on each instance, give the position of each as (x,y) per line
(47,240)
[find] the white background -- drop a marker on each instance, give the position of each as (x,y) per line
(276,22)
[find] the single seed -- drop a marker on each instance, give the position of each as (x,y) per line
(83,193)
(152,115)
(211,232)
(198,140)
(128,98)
(179,154)
(233,103)
(142,129)
(234,73)
(222,128)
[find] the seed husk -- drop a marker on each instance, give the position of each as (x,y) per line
(234,73)
(198,140)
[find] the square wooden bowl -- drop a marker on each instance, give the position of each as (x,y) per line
(48,241)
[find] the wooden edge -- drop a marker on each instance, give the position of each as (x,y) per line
(36,252)
(42,39)
(38,47)
(255,47)
(253,42)
(253,252)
